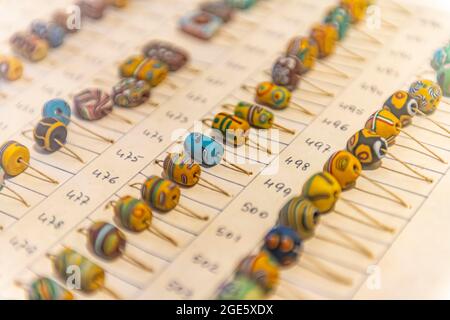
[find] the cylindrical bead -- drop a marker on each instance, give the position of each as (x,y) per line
(283,244)
(273,96)
(161,194)
(234,130)
(134,214)
(181,169)
(11,153)
(49,134)
(286,72)
(106,240)
(11,68)
(300,215)
(256,116)
(29,46)
(306,49)
(57,109)
(174,57)
(50,32)
(150,70)
(93,104)
(130,93)
(46,289)
(203,149)
(262,268)
(326,36)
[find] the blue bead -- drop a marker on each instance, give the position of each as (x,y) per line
(51,32)
(58,109)
(203,149)
(284,244)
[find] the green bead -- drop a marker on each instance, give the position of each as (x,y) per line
(340,18)
(443,78)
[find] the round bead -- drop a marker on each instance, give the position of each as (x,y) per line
(385,124)
(286,72)
(57,109)
(93,9)
(50,134)
(66,20)
(130,93)
(46,289)
(11,68)
(161,194)
(326,36)
(323,190)
(443,78)
(200,24)
(233,130)
(356,8)
(106,240)
(93,104)
(241,4)
(150,70)
(283,244)
(368,147)
(181,169)
(133,214)
(256,116)
(11,154)
(262,268)
(403,106)
(219,9)
(300,215)
(273,96)
(241,288)
(340,18)
(428,95)
(50,32)
(174,57)
(29,46)
(441,57)
(92,277)
(306,50)
(203,149)
(345,167)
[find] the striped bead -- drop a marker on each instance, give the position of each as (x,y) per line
(203,149)
(133,214)
(11,154)
(50,32)
(428,95)
(175,57)
(273,96)
(368,147)
(106,240)
(29,46)
(57,109)
(306,50)
(147,69)
(161,194)
(326,36)
(256,116)
(93,104)
(48,289)
(181,169)
(234,130)
(241,288)
(385,124)
(345,167)
(323,190)
(403,106)
(300,215)
(11,68)
(50,134)
(92,277)
(283,244)
(262,268)
(130,93)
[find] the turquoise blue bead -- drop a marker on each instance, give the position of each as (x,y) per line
(58,109)
(203,149)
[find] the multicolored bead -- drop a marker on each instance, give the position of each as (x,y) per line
(286,72)
(345,167)
(356,8)
(385,124)
(241,288)
(256,116)
(443,78)
(262,268)
(11,68)
(340,18)
(50,32)
(29,46)
(161,194)
(130,93)
(204,150)
(134,214)
(368,147)
(14,158)
(427,93)
(403,106)
(326,36)
(150,70)
(93,104)
(93,9)
(175,57)
(241,4)
(273,96)
(200,24)
(181,169)
(50,134)
(283,244)
(323,190)
(46,289)
(58,109)
(441,57)
(106,240)
(218,8)
(234,130)
(306,50)
(300,215)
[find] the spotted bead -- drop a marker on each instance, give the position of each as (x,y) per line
(204,150)
(133,214)
(46,289)
(283,244)
(326,36)
(306,50)
(14,157)
(300,215)
(233,130)
(200,24)
(403,106)
(50,32)
(161,194)
(273,96)
(106,241)
(92,277)
(368,147)
(50,134)
(443,79)
(174,57)
(181,169)
(323,190)
(441,57)
(286,72)
(428,95)
(11,68)
(262,268)
(256,116)
(58,109)
(340,18)
(93,104)
(150,70)
(344,167)
(219,9)
(93,9)
(241,288)
(130,93)
(356,8)
(241,4)
(385,124)
(29,46)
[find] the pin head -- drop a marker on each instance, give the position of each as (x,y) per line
(175,57)
(49,134)
(256,116)
(356,8)
(46,289)
(11,154)
(181,169)
(368,147)
(323,190)
(326,36)
(130,93)
(200,24)
(57,109)
(161,194)
(283,244)
(51,32)
(428,95)
(340,18)
(286,71)
(443,78)
(403,106)
(29,46)
(385,124)
(441,57)
(133,214)
(273,96)
(262,268)
(203,149)
(93,104)
(345,167)
(232,129)
(106,240)
(241,288)
(11,68)
(300,215)
(147,69)
(306,49)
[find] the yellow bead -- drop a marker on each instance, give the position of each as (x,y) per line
(11,68)
(345,167)
(323,190)
(14,157)
(161,194)
(356,8)
(428,95)
(142,68)
(232,128)
(181,169)
(273,96)
(385,124)
(326,37)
